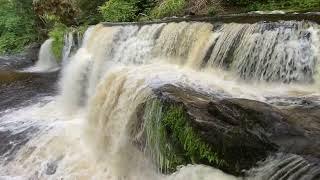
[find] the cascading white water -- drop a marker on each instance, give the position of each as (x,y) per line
(89,126)
(46,60)
(72,42)
(284,51)
(68,44)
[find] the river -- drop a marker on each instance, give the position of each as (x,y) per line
(75,122)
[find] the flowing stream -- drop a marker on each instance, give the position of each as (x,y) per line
(46,61)
(84,130)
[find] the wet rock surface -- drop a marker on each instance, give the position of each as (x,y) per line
(14,62)
(11,142)
(17,90)
(245,132)
(32,52)
(22,60)
(23,87)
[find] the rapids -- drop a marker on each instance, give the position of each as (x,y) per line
(84,130)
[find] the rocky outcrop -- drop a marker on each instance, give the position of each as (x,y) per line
(227,133)
(32,52)
(23,87)
(14,62)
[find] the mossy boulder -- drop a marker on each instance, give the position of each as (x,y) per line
(182,126)
(170,139)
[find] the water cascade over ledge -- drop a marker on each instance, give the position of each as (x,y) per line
(46,60)
(107,120)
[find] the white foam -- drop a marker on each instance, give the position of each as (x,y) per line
(46,61)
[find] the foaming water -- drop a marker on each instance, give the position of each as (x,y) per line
(196,172)
(46,61)
(268,12)
(67,48)
(95,143)
(72,42)
(74,81)
(76,147)
(86,132)
(286,51)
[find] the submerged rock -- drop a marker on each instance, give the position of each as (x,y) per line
(182,126)
(51,168)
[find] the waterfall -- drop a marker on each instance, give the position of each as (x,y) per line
(280,52)
(115,70)
(283,51)
(68,44)
(72,42)
(117,66)
(46,61)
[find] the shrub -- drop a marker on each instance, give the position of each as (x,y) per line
(212,11)
(65,11)
(57,34)
(16,26)
(119,10)
(89,11)
(204,7)
(169,8)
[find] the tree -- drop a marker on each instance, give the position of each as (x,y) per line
(17,25)
(64,11)
(89,12)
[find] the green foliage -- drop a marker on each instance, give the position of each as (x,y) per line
(23,22)
(81,29)
(212,11)
(64,11)
(145,6)
(89,11)
(57,34)
(288,5)
(119,10)
(176,119)
(172,140)
(16,26)
(169,8)
(160,147)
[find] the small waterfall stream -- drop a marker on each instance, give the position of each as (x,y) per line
(46,61)
(86,130)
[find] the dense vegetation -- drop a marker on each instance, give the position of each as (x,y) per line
(24,22)
(17,25)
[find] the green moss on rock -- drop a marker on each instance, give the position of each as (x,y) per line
(169,8)
(57,34)
(171,140)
